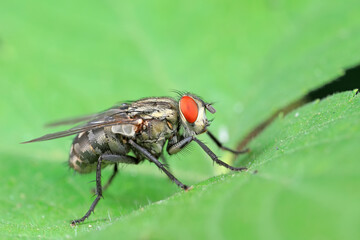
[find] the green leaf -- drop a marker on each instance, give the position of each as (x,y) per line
(305,186)
(60,59)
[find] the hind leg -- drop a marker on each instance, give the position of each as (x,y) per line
(115,171)
(98,195)
(111,177)
(103,158)
(116,159)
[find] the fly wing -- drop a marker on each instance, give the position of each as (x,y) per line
(143,107)
(128,115)
(71,121)
(117,119)
(92,117)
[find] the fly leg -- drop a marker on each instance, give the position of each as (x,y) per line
(182,143)
(98,194)
(158,164)
(220,145)
(215,158)
(165,162)
(104,158)
(111,177)
(93,190)
(174,147)
(116,159)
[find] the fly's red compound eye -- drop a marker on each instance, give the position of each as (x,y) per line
(189,108)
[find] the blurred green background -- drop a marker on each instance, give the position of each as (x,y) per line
(61,59)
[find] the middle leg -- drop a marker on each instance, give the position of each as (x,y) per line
(158,164)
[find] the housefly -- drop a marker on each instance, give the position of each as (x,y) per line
(132,132)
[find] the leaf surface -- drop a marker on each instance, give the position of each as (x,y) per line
(60,59)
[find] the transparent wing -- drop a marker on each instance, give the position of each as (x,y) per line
(71,121)
(118,109)
(114,119)
(122,114)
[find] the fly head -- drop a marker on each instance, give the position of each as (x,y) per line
(193,114)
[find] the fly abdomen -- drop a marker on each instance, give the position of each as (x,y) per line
(79,165)
(88,146)
(86,149)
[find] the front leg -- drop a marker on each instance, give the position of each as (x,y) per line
(174,146)
(220,145)
(157,163)
(215,158)
(177,146)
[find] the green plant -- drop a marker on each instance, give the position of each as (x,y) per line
(65,58)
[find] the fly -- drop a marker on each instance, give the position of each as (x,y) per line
(142,128)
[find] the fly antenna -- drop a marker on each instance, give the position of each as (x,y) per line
(210,108)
